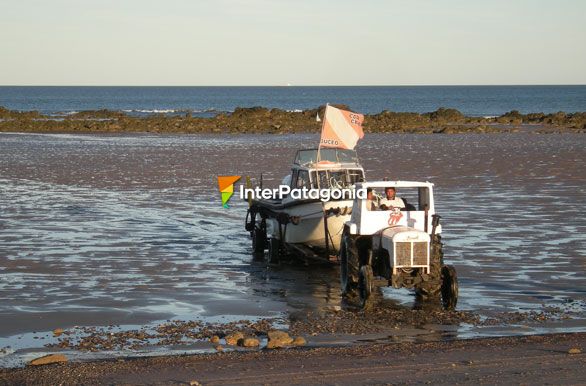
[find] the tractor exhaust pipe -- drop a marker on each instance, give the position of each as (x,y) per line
(435,220)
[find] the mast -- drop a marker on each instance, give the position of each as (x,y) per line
(323,123)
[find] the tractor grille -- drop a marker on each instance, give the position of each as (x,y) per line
(405,250)
(420,253)
(403,254)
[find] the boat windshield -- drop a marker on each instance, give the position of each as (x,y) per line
(310,156)
(336,179)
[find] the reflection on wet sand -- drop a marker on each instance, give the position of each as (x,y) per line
(128,229)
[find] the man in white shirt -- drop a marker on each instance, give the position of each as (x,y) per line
(391,201)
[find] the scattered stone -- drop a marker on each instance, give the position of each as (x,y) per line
(249,342)
(232,339)
(215,339)
(278,339)
(194,383)
(271,345)
(299,341)
(574,350)
(219,348)
(48,359)
(58,331)
(279,335)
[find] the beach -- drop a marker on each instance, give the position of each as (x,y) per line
(120,240)
(546,359)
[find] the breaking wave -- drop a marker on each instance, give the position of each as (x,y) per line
(170,111)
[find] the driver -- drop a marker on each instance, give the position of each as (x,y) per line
(391,201)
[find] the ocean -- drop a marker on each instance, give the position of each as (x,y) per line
(206,101)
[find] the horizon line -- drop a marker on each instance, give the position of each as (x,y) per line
(302,85)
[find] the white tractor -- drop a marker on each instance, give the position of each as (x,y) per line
(397,239)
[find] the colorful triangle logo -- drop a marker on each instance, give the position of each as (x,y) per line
(226,185)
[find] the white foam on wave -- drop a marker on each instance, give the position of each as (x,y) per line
(169,111)
(85,137)
(62,113)
(153,111)
(150,111)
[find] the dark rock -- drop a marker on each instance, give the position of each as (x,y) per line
(513,117)
(446,115)
(276,121)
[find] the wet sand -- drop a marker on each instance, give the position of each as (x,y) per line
(514,360)
(125,232)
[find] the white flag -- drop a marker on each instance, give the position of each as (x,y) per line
(341,128)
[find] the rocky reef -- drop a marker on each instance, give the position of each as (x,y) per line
(277,121)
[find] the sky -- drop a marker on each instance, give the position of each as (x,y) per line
(297,42)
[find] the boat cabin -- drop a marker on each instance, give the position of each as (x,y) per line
(327,168)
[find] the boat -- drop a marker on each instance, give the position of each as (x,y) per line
(302,224)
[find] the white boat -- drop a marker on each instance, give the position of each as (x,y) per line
(310,227)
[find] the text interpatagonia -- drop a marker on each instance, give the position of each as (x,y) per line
(304,193)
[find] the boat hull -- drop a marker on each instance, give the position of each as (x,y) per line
(309,225)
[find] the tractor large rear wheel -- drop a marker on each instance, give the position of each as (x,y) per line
(449,287)
(365,284)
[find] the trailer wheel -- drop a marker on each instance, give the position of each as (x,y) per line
(449,287)
(365,284)
(249,222)
(348,269)
(259,241)
(274,253)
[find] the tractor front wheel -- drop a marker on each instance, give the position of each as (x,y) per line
(449,287)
